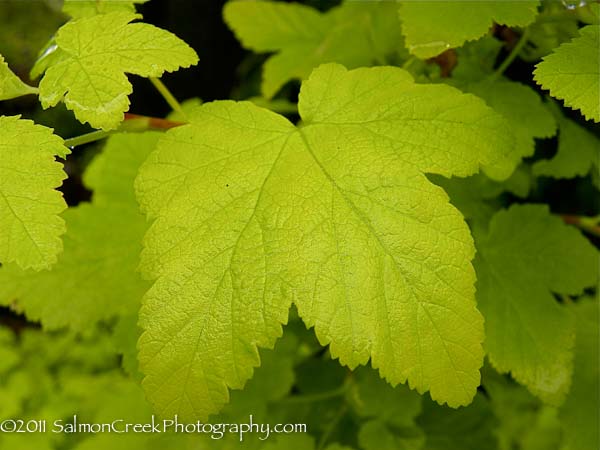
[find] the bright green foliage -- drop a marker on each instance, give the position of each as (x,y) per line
(11,85)
(572,73)
(94,53)
(95,277)
(335,216)
(86,8)
(523,109)
(580,410)
(30,227)
(354,34)
(433,27)
(578,151)
(527,255)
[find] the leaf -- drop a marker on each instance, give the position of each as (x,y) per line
(29,204)
(354,34)
(433,27)
(251,214)
(470,428)
(11,85)
(87,8)
(476,60)
(522,107)
(572,73)
(96,52)
(391,413)
(527,255)
(96,277)
(579,413)
(578,152)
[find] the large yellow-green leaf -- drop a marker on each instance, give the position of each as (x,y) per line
(30,226)
(252,213)
(93,56)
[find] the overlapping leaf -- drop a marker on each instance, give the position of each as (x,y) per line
(252,213)
(528,255)
(87,67)
(30,227)
(572,73)
(96,276)
(433,27)
(580,411)
(354,34)
(578,151)
(11,85)
(86,8)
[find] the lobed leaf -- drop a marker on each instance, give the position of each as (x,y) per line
(93,56)
(251,214)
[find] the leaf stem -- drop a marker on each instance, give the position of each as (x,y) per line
(86,138)
(167,95)
(590,225)
(133,123)
(512,55)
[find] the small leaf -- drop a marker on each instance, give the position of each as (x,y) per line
(95,53)
(30,227)
(11,85)
(433,27)
(572,73)
(528,255)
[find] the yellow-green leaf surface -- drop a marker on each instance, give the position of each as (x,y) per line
(578,152)
(11,85)
(572,73)
(95,53)
(431,27)
(30,226)
(580,411)
(528,255)
(252,213)
(86,8)
(96,277)
(354,34)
